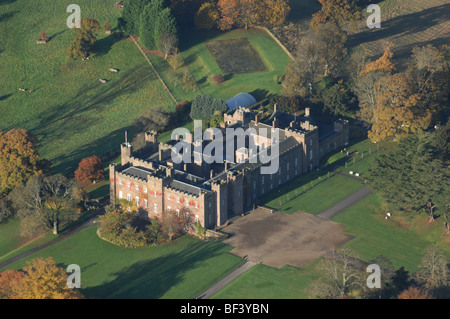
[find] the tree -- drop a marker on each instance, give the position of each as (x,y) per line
(399,109)
(430,74)
(5,210)
(383,64)
(168,44)
(129,22)
(83,44)
(336,99)
(338,11)
(89,170)
(411,176)
(42,280)
(147,25)
(8,280)
(175,224)
(44,203)
(165,24)
(207,16)
(19,159)
(204,106)
(155,119)
(229,12)
(332,39)
(367,92)
(342,273)
(273,12)
(176,61)
(414,293)
(433,273)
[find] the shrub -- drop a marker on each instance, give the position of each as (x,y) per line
(218,79)
(126,229)
(176,61)
(89,170)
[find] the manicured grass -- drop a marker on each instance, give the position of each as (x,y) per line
(263,282)
(181,269)
(9,235)
(375,236)
(72,114)
(325,193)
(203,66)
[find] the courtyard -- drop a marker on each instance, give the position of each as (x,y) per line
(278,239)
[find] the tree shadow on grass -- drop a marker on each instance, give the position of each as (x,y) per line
(153,278)
(404,25)
(104,45)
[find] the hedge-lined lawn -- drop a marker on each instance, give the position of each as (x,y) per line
(325,193)
(182,269)
(202,64)
(70,111)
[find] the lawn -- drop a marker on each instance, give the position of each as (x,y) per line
(263,282)
(72,114)
(375,236)
(182,269)
(325,193)
(202,64)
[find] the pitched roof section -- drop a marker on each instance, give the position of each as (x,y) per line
(241,99)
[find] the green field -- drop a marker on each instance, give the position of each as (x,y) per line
(72,114)
(181,269)
(203,66)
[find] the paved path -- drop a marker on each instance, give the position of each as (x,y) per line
(345,203)
(226,280)
(73,231)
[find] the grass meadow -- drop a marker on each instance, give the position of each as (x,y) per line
(181,269)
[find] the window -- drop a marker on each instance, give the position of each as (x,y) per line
(137,200)
(310,142)
(178,213)
(155,207)
(145,203)
(168,197)
(120,195)
(254,185)
(145,190)
(129,197)
(137,187)
(287,165)
(178,199)
(310,154)
(295,161)
(128,184)
(120,182)
(154,194)
(169,208)
(196,218)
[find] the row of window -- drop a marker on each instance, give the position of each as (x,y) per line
(137,200)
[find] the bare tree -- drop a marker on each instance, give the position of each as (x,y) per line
(342,272)
(168,44)
(175,224)
(433,273)
(44,202)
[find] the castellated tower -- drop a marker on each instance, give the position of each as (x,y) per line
(126,152)
(308,137)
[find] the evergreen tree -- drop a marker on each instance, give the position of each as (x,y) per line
(148,20)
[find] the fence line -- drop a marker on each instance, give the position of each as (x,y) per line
(154,69)
(275,38)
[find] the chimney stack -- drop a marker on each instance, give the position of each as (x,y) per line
(307,112)
(275,108)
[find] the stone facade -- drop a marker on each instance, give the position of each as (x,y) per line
(212,193)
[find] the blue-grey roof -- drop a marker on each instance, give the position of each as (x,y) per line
(241,99)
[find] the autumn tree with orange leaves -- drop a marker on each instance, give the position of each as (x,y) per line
(244,13)
(383,64)
(414,293)
(19,159)
(399,109)
(338,11)
(89,170)
(41,279)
